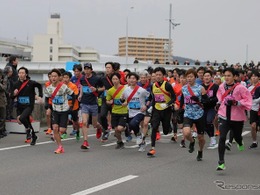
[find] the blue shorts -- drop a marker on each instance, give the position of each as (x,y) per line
(89,109)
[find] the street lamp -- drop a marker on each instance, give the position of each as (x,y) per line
(126,39)
(171,26)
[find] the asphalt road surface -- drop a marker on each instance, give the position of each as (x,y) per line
(103,170)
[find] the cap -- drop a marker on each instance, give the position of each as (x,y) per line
(217,77)
(88,65)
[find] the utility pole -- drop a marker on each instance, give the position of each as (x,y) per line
(171,26)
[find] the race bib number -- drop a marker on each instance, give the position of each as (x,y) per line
(159,98)
(187,100)
(210,93)
(23,100)
(117,102)
(105,93)
(58,100)
(69,97)
(86,89)
(134,105)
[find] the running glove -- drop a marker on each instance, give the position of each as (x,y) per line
(232,103)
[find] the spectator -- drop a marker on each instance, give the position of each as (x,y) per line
(8,71)
(3,86)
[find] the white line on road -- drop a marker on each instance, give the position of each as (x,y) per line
(40,143)
(106,185)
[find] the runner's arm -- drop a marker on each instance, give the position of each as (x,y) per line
(169,89)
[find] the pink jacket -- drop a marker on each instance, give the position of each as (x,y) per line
(240,94)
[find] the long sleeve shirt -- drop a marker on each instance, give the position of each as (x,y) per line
(240,94)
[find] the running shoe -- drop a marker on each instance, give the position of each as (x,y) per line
(27,141)
(151,153)
(59,150)
(191,146)
(221,167)
(49,131)
(242,147)
(217,133)
(33,142)
(194,134)
(139,139)
(158,135)
(142,147)
(74,132)
(199,156)
(120,145)
(99,133)
(85,145)
(253,145)
(105,136)
(174,138)
(213,142)
(64,136)
(28,136)
(182,145)
(129,138)
(228,146)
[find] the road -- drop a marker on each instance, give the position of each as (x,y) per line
(102,170)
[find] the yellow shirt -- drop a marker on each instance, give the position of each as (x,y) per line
(117,107)
(159,96)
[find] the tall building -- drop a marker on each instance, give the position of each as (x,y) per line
(145,48)
(51,47)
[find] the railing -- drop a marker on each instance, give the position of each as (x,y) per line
(47,66)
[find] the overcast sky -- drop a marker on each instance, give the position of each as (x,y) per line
(210,29)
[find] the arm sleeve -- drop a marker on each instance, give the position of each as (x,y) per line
(169,88)
(246,100)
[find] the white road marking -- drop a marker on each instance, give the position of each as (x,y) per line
(106,185)
(40,143)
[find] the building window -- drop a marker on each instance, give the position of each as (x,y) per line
(50,49)
(50,57)
(51,40)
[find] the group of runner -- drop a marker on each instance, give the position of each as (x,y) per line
(197,101)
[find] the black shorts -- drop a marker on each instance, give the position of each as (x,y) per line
(163,116)
(60,118)
(254,118)
(74,115)
(200,124)
(180,116)
(118,120)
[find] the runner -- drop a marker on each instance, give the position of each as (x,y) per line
(163,98)
(77,71)
(233,99)
(75,105)
(209,107)
(192,95)
(135,97)
(106,108)
(91,86)
(58,92)
(119,112)
(48,112)
(146,84)
(254,118)
(24,93)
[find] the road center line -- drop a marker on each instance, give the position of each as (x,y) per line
(106,185)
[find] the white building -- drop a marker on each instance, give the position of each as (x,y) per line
(50,47)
